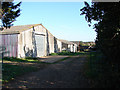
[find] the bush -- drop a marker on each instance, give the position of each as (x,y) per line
(101,72)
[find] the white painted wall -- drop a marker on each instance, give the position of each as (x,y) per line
(25,43)
(51,42)
(59,44)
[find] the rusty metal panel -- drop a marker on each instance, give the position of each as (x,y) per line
(10,42)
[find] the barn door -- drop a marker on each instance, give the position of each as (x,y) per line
(40,45)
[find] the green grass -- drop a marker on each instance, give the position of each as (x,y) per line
(14,59)
(30,59)
(11,71)
(102,73)
(24,60)
(68,53)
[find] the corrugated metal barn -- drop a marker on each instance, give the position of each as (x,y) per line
(68,46)
(29,41)
(32,41)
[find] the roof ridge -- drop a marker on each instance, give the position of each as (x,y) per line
(18,28)
(26,25)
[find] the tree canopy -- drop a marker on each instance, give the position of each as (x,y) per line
(107,27)
(8,13)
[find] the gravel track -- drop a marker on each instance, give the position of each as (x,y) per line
(65,74)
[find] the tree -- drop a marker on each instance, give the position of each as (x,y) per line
(8,13)
(107,27)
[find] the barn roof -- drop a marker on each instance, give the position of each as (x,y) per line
(65,41)
(18,29)
(76,42)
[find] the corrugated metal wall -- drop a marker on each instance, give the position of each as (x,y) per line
(51,42)
(40,40)
(40,44)
(10,42)
(64,46)
(69,47)
(34,42)
(75,47)
(59,45)
(25,44)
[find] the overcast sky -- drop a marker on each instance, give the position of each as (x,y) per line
(62,19)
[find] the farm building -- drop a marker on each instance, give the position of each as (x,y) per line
(29,41)
(68,46)
(84,45)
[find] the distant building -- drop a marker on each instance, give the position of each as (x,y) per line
(81,46)
(68,46)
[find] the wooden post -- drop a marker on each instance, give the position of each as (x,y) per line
(2,58)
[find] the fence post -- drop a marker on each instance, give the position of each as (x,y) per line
(90,61)
(2,58)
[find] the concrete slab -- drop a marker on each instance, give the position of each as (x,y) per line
(51,59)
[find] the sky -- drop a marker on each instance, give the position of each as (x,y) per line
(62,19)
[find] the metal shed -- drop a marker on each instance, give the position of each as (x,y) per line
(68,46)
(29,41)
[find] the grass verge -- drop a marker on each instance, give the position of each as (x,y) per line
(28,59)
(11,71)
(100,72)
(68,53)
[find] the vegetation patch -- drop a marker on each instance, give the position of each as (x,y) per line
(100,72)
(68,53)
(9,71)
(12,70)
(14,59)
(24,60)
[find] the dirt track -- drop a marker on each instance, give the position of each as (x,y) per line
(65,74)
